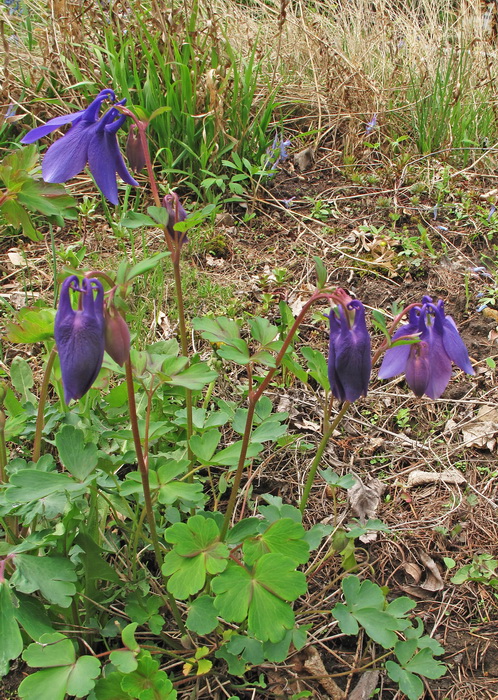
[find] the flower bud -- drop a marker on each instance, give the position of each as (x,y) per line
(176,213)
(116,335)
(134,150)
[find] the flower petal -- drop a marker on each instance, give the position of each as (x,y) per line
(68,155)
(455,347)
(50,126)
(394,361)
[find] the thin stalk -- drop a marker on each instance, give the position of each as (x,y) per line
(318,456)
(3,449)
(253,398)
(40,416)
(144,475)
(184,344)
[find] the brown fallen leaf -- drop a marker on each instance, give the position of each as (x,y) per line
(313,665)
(365,686)
(364,499)
(449,476)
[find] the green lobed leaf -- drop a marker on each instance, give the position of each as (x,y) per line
(124,661)
(31,615)
(32,326)
(321,272)
(22,379)
(11,644)
(262,330)
(128,636)
(32,485)
(135,219)
(259,595)
(229,457)
(145,266)
(194,377)
(409,683)
(202,615)
(204,446)
(218,330)
(250,649)
(52,575)
(148,682)
(283,536)
(197,551)
(77,454)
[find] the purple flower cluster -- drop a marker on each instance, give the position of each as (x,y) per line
(427,364)
(83,334)
(432,344)
(91,139)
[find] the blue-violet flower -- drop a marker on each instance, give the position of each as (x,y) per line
(79,335)
(90,140)
(176,213)
(349,361)
(427,364)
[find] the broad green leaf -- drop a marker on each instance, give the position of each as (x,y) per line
(218,330)
(346,621)
(77,454)
(51,650)
(334,480)
(362,594)
(196,552)
(148,682)
(244,528)
(426,665)
(182,491)
(95,566)
(63,674)
(17,216)
(270,429)
(250,649)
(32,485)
(204,446)
(240,355)
(135,219)
(128,636)
(22,379)
(159,214)
(409,683)
(109,688)
(10,637)
(202,616)
(262,330)
(236,666)
(405,650)
(317,366)
(260,595)
(380,626)
(194,377)
(32,616)
(229,457)
(32,326)
(283,536)
(145,265)
(125,661)
(52,575)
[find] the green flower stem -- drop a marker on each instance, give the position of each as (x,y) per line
(319,453)
(144,474)
(3,449)
(253,398)
(40,416)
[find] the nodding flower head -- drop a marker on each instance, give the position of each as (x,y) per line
(176,213)
(91,139)
(349,361)
(79,335)
(427,364)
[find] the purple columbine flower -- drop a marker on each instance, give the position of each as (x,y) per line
(427,364)
(350,361)
(176,213)
(79,335)
(90,140)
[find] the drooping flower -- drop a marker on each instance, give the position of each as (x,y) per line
(349,361)
(79,335)
(91,140)
(117,335)
(427,364)
(176,213)
(134,150)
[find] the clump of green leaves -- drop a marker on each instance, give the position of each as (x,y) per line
(387,623)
